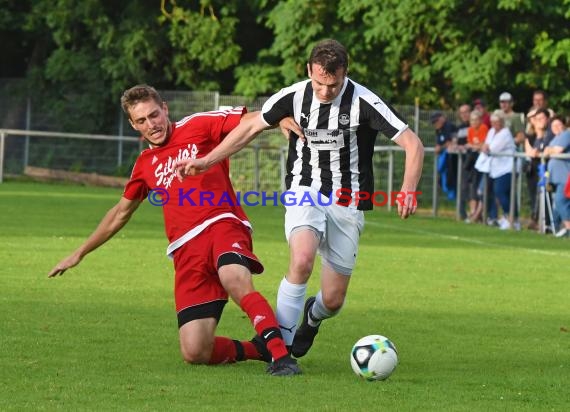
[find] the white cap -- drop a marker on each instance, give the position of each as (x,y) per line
(505,97)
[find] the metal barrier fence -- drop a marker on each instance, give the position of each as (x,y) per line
(20,111)
(259,167)
(254,167)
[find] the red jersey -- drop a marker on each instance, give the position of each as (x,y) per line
(190,206)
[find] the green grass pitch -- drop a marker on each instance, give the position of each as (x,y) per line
(480,317)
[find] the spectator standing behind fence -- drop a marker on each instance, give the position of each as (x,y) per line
(540,101)
(480,106)
(559,172)
(445,133)
(476,135)
(485,188)
(530,172)
(500,141)
(534,145)
(513,120)
(460,147)
(463,125)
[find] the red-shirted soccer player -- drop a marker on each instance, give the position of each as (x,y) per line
(210,240)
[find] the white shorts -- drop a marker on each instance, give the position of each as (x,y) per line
(338,227)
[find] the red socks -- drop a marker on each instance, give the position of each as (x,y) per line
(227,350)
(265,323)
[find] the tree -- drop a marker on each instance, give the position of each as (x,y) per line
(202,44)
(551,54)
(91,50)
(443,52)
(85,52)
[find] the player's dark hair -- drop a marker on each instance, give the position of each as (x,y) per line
(329,54)
(139,93)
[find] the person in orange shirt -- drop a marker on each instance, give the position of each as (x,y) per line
(477,131)
(476,134)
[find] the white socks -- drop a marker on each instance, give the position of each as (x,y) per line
(290,303)
(319,312)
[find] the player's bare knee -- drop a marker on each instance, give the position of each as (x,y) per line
(235,284)
(195,355)
(333,302)
(302,266)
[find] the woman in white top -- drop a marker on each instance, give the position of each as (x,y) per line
(500,141)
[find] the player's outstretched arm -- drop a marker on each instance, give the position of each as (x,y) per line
(414,149)
(113,221)
(249,127)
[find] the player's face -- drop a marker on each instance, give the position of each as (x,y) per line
(325,85)
(150,119)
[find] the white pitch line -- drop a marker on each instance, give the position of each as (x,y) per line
(470,240)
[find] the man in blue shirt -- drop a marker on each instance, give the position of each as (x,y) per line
(445,133)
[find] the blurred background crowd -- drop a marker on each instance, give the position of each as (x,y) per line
(490,147)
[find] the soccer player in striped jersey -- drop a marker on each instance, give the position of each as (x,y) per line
(332,160)
(211,245)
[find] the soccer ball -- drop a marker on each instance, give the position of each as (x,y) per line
(374,358)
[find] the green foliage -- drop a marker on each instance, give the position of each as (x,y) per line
(554,55)
(256,79)
(95,49)
(202,45)
(297,25)
(444,52)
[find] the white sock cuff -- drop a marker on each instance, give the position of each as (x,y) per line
(292,289)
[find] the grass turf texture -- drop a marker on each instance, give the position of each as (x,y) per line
(479,316)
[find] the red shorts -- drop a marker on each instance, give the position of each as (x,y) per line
(196,263)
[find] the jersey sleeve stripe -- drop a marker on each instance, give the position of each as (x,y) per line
(222,113)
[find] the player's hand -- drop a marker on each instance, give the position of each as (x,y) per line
(408,205)
(68,262)
(190,167)
(288,125)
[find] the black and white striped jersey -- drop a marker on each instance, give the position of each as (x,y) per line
(340,137)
